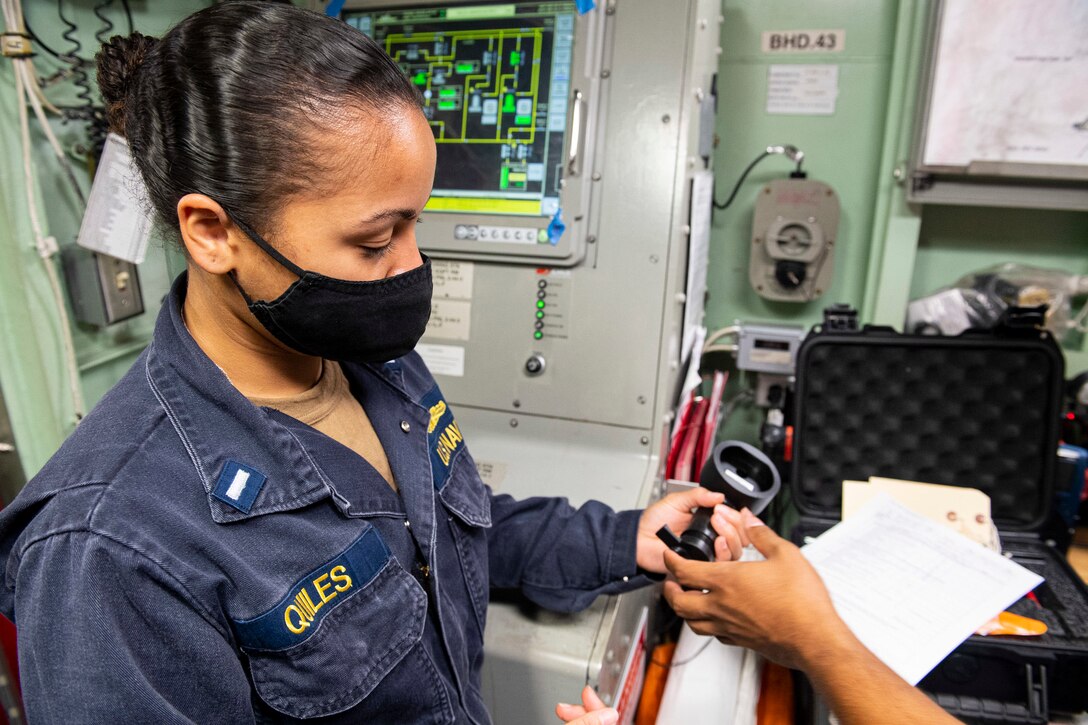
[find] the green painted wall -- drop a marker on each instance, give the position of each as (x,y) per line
(842,150)
(32,374)
(887,251)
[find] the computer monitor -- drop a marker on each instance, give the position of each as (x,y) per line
(496,87)
(494,81)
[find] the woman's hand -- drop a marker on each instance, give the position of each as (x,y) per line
(591,712)
(778,607)
(676,511)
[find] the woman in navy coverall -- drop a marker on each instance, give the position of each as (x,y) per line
(188,556)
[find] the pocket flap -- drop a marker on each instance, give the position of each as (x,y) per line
(465,495)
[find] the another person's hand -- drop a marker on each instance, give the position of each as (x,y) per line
(676,511)
(778,607)
(592,711)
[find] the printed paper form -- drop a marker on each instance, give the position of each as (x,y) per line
(910,589)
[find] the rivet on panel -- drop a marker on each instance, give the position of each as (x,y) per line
(517,403)
(610,10)
(666,118)
(641,400)
(605,73)
(644,440)
(513,422)
(591,239)
(654,259)
(596,176)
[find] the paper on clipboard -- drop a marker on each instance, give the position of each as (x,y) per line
(910,589)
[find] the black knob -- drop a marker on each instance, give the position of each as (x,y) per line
(790,274)
(535,364)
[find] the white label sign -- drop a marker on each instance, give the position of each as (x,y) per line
(804,41)
(449,319)
(493,473)
(802,90)
(452,280)
(116,222)
(443,359)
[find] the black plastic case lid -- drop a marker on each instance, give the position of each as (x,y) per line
(978,410)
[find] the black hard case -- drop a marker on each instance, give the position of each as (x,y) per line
(981,410)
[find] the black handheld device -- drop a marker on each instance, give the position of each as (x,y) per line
(747,478)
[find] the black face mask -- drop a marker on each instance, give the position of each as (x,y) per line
(363,322)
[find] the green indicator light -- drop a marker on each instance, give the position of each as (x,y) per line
(523,120)
(465,67)
(540,304)
(515,57)
(420,79)
(447,93)
(538,334)
(504,180)
(508,104)
(447,105)
(540,314)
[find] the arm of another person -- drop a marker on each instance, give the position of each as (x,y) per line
(780,608)
(105,634)
(563,558)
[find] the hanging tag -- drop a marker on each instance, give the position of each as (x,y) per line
(117,220)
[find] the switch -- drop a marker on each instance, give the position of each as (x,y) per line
(535,364)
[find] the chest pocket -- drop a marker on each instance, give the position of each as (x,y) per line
(468,506)
(347,637)
(463,495)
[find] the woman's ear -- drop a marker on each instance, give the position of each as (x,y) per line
(205,231)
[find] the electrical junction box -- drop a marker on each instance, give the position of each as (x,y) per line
(793,240)
(769,348)
(103,290)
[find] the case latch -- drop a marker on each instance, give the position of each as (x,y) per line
(1023,320)
(840,317)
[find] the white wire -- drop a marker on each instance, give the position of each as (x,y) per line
(46,250)
(713,337)
(13,18)
(66,166)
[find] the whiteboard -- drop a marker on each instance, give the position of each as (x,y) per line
(1008,89)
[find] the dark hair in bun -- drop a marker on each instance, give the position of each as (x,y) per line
(117,62)
(227,101)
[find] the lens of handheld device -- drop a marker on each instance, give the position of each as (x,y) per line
(747,478)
